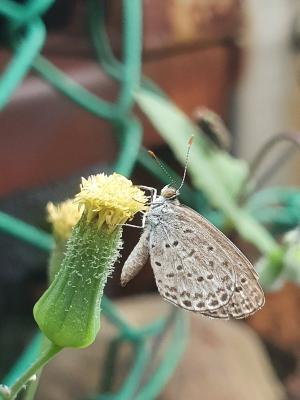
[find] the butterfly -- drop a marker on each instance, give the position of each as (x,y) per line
(196,267)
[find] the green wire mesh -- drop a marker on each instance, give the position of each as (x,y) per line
(25,35)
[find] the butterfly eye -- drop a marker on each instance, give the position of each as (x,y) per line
(168,192)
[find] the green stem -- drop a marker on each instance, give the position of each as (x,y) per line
(32,370)
(32,387)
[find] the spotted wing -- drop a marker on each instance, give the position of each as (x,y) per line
(247,298)
(191,267)
(198,268)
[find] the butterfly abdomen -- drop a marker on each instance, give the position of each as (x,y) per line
(136,260)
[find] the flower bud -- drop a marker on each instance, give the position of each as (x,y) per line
(63,217)
(68,313)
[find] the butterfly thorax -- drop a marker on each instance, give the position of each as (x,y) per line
(159,207)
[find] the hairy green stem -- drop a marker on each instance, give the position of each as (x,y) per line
(23,380)
(68,313)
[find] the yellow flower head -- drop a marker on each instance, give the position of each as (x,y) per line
(112,199)
(63,217)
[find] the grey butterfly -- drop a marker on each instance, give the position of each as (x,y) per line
(196,267)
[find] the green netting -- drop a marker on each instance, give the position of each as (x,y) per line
(25,34)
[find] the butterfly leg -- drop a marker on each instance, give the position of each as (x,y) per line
(152,190)
(137,226)
(153,196)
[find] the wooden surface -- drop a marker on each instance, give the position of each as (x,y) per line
(44,136)
(222,361)
(168,25)
(279,319)
(176,24)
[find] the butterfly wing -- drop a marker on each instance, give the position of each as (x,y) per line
(192,270)
(198,268)
(247,298)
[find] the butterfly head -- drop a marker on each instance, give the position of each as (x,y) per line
(169,193)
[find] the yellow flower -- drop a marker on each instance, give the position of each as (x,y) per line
(68,313)
(63,217)
(112,199)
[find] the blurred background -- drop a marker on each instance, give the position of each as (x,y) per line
(239,58)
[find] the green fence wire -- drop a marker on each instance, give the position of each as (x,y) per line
(24,35)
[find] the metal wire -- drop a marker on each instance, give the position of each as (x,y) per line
(26,35)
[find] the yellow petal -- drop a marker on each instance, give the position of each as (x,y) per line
(110,199)
(63,217)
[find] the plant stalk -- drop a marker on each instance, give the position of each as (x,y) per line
(23,380)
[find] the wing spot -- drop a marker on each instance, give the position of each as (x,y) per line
(198,296)
(200,279)
(210,276)
(167,294)
(210,248)
(210,263)
(167,245)
(173,297)
(201,304)
(175,243)
(225,263)
(152,245)
(179,267)
(170,275)
(191,253)
(189,275)
(224,297)
(238,289)
(187,303)
(184,293)
(159,281)
(243,280)
(173,289)
(158,263)
(214,303)
(187,231)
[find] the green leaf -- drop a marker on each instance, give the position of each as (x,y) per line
(231,171)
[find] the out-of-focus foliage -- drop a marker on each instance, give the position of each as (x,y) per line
(213,171)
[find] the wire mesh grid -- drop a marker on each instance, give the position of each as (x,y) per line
(25,33)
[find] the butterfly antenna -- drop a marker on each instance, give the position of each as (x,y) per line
(153,155)
(190,141)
